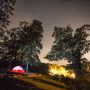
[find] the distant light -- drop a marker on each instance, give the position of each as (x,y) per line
(59,70)
(53,71)
(73,75)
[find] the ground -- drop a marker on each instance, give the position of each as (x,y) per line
(41,82)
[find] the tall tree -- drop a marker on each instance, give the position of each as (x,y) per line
(31,39)
(69,46)
(12,44)
(24,43)
(6,8)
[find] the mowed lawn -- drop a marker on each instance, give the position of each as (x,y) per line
(31,82)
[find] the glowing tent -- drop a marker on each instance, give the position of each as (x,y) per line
(17,69)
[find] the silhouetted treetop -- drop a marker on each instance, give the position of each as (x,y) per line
(6,8)
(68,46)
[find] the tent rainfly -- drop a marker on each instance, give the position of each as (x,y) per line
(17,69)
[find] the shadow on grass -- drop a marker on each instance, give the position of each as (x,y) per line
(85,85)
(14,84)
(50,83)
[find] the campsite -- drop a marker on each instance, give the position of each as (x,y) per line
(44,44)
(18,79)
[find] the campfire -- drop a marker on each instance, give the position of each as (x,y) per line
(60,70)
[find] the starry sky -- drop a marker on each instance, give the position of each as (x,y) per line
(52,13)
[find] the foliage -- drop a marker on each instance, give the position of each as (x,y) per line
(68,46)
(6,8)
(31,37)
(23,43)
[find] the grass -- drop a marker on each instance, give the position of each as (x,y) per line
(44,83)
(84,81)
(81,83)
(16,84)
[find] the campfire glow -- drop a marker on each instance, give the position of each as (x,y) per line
(59,70)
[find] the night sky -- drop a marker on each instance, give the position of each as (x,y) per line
(52,13)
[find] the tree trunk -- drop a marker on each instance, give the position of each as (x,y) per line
(78,63)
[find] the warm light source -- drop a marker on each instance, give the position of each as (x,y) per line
(59,70)
(54,71)
(73,75)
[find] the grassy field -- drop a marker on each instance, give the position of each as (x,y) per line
(31,82)
(43,82)
(84,81)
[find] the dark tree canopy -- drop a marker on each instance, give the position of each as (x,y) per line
(23,43)
(31,39)
(6,8)
(68,46)
(61,43)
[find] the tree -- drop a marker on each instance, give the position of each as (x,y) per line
(12,44)
(6,8)
(70,47)
(31,38)
(23,43)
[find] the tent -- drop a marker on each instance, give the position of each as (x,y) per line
(17,69)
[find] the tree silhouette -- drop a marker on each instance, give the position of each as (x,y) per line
(6,8)
(31,38)
(12,44)
(23,43)
(69,46)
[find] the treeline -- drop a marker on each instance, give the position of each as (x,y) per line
(21,45)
